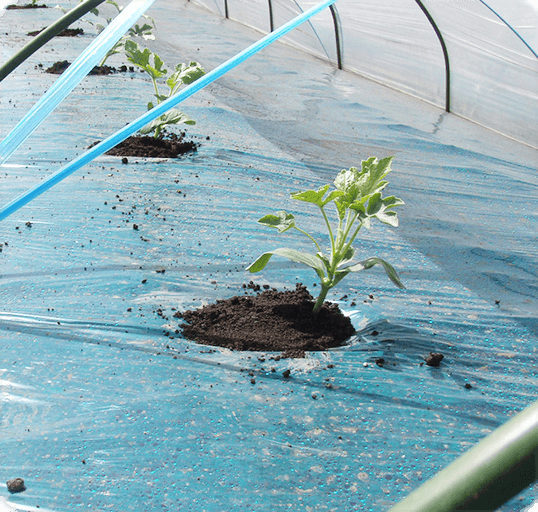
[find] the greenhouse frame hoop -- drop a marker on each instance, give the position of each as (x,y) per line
(445,52)
(339,39)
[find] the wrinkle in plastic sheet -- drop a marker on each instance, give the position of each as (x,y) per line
(103,411)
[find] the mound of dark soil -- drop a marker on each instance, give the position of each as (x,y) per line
(66,32)
(60,66)
(270,321)
(169,146)
(26,6)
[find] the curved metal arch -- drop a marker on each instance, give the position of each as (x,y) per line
(338,35)
(445,53)
(271,21)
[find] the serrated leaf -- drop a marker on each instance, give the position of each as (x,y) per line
(348,256)
(391,202)
(311,196)
(282,221)
(346,179)
(375,204)
(188,73)
(341,207)
(388,217)
(173,116)
(369,263)
(324,259)
(293,255)
(158,65)
(379,208)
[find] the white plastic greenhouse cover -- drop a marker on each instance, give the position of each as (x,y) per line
(491,50)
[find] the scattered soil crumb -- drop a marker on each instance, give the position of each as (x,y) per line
(434,359)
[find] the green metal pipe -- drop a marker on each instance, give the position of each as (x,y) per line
(44,37)
(482,479)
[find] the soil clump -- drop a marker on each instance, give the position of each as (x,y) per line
(66,32)
(269,321)
(171,145)
(13,7)
(60,66)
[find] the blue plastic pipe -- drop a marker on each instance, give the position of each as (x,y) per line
(160,109)
(72,76)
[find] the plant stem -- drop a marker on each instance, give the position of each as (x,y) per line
(331,236)
(325,287)
(353,237)
(309,236)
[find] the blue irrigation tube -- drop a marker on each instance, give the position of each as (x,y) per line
(85,62)
(159,110)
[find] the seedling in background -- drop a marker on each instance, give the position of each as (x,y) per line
(152,64)
(145,31)
(358,200)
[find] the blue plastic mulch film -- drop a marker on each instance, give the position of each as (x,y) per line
(73,76)
(159,109)
(106,407)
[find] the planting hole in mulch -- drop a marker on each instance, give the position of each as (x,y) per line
(269,321)
(66,32)
(170,145)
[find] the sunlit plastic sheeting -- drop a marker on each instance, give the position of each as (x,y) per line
(493,73)
(494,76)
(392,42)
(317,38)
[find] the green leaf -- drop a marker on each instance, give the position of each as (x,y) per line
(391,202)
(173,116)
(311,196)
(324,259)
(347,257)
(187,73)
(375,204)
(341,208)
(357,185)
(142,59)
(282,221)
(140,31)
(293,255)
(378,207)
(369,263)
(115,4)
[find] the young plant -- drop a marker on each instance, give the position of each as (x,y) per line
(152,64)
(358,199)
(145,31)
